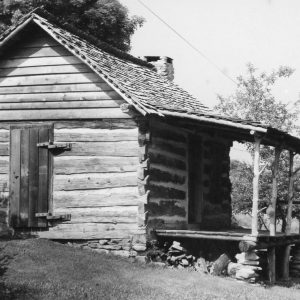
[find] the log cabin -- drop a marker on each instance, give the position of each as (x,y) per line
(97,145)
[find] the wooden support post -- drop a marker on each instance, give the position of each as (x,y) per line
(272,208)
(272,216)
(287,249)
(254,224)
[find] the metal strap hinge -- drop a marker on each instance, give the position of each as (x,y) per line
(50,217)
(61,146)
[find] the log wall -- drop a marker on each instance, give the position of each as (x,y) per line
(169,182)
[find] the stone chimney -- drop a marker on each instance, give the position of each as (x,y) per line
(163,65)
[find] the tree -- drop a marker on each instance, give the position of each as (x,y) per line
(106,20)
(253,100)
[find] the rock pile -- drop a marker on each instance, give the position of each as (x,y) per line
(246,267)
(177,256)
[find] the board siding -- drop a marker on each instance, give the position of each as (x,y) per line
(45,81)
(42,83)
(95,182)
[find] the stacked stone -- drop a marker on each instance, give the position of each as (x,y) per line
(246,268)
(120,247)
(295,261)
(177,256)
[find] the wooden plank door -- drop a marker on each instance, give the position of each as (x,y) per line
(30,175)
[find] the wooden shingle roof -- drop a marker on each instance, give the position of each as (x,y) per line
(138,82)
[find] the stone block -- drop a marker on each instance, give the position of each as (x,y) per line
(103,242)
(139,247)
(122,253)
(101,251)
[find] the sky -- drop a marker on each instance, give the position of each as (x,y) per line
(230,33)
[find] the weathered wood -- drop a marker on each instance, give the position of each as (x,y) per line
(96,198)
(43,183)
(50,79)
(4,149)
(121,149)
(287,249)
(97,124)
(61,105)
(57,97)
(272,208)
(33,177)
(94,135)
(39,61)
(56,114)
(4,165)
(4,135)
(15,172)
(4,183)
(113,214)
(56,88)
(39,52)
(24,182)
(254,223)
(104,164)
(220,265)
(166,160)
(272,264)
(246,246)
(39,70)
(89,231)
(89,181)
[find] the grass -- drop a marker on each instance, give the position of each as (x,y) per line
(41,269)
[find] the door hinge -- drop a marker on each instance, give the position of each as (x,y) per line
(50,217)
(53,146)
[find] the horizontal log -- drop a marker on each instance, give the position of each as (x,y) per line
(40,52)
(165,168)
(166,134)
(89,181)
(4,183)
(39,70)
(59,114)
(49,79)
(95,164)
(166,208)
(4,165)
(61,105)
(168,146)
(165,192)
(113,214)
(96,124)
(89,231)
(123,149)
(4,148)
(96,198)
(47,97)
(162,159)
(95,135)
(168,154)
(39,61)
(79,87)
(163,176)
(4,135)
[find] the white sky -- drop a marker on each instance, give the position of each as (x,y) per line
(231,33)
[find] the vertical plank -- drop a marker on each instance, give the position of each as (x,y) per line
(15,172)
(42,206)
(287,248)
(254,221)
(24,183)
(50,172)
(272,264)
(33,176)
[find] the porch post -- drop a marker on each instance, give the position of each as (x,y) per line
(287,249)
(272,215)
(254,223)
(272,207)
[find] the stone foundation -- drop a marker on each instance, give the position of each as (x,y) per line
(120,247)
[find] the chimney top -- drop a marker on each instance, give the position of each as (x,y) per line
(162,64)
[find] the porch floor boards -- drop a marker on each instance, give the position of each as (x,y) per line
(230,235)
